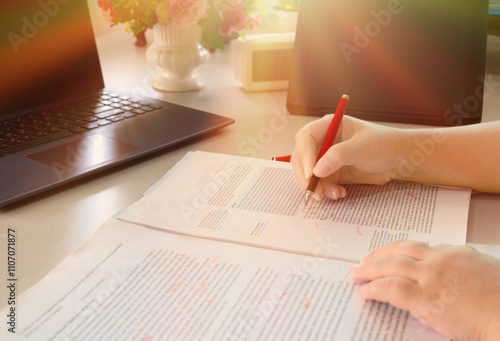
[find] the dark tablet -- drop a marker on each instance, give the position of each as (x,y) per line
(408,61)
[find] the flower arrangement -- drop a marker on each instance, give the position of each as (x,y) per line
(217,18)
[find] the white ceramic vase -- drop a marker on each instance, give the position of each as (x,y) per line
(176,52)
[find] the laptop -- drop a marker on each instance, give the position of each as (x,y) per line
(58,122)
(419,62)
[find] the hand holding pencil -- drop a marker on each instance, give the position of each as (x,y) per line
(329,140)
(363,153)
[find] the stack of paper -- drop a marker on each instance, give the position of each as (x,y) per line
(222,249)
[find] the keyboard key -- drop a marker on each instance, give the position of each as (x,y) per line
(115,118)
(89,126)
(52,130)
(103,122)
(129,114)
(109,113)
(102,109)
(86,113)
(138,111)
(12,141)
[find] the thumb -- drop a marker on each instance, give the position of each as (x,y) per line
(338,156)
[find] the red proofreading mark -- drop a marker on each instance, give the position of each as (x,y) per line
(212,262)
(328,280)
(306,303)
(358,231)
(174,287)
(280,296)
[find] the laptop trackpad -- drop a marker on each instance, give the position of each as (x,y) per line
(82,153)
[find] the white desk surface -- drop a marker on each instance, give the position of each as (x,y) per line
(50,226)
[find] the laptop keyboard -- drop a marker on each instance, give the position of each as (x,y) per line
(46,125)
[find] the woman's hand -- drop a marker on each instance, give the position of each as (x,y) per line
(363,153)
(455,290)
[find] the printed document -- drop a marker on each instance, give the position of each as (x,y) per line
(128,282)
(222,248)
(258,202)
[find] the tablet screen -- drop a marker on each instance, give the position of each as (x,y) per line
(398,60)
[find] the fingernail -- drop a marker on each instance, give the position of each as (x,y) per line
(363,293)
(306,172)
(334,195)
(355,275)
(343,192)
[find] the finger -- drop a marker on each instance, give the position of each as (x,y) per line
(311,136)
(391,266)
(298,170)
(333,191)
(408,248)
(400,292)
(331,161)
(339,155)
(318,192)
(302,180)
(304,157)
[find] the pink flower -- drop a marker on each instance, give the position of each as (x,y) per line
(104,4)
(183,13)
(217,18)
(108,9)
(235,19)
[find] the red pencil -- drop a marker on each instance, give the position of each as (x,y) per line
(331,134)
(285,158)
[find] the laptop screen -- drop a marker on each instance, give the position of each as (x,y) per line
(398,60)
(48,45)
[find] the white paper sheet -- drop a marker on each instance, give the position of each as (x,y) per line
(129,282)
(257,202)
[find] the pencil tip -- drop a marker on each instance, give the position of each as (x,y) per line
(308,197)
